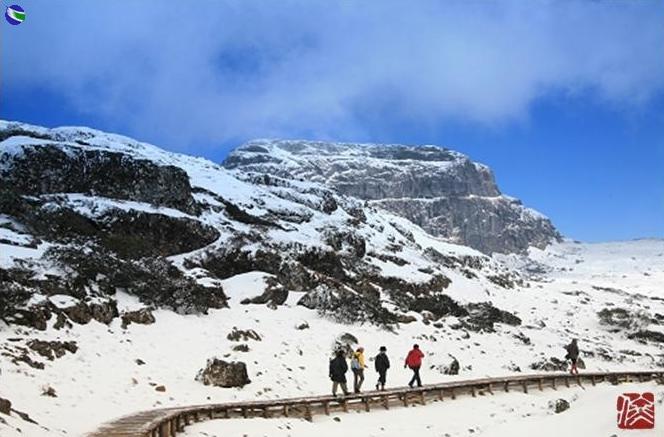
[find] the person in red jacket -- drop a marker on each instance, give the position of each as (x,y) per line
(414,361)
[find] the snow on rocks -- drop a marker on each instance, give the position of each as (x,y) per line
(220,373)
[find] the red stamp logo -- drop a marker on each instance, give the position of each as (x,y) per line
(636,411)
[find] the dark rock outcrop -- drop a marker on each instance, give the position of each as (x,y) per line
(619,319)
(51,169)
(646,335)
(130,234)
(482,317)
(104,312)
(5,406)
(439,305)
(143,316)
(220,373)
(156,281)
(52,349)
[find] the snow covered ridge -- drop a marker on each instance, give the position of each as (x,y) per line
(441,190)
(88,214)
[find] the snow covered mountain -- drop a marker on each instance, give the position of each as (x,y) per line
(124,268)
(441,190)
(86,214)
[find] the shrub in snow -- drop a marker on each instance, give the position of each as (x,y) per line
(346,342)
(552,364)
(452,368)
(92,269)
(645,335)
(624,319)
(49,391)
(346,306)
(241,348)
(243,335)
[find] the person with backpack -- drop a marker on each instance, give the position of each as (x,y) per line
(338,369)
(358,365)
(414,361)
(382,363)
(573,355)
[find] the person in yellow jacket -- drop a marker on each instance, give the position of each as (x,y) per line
(358,365)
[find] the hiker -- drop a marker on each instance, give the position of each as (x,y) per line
(573,355)
(414,361)
(358,365)
(338,369)
(382,363)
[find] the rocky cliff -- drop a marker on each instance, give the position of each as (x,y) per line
(441,190)
(85,215)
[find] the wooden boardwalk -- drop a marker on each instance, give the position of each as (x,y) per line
(168,422)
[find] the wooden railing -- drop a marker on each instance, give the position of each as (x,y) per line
(167,422)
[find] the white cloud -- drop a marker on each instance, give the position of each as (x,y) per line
(211,72)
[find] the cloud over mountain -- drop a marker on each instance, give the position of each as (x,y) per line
(210,72)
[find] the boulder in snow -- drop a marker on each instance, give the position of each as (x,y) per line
(560,405)
(224,374)
(143,317)
(5,406)
(52,349)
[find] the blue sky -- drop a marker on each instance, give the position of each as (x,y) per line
(563,99)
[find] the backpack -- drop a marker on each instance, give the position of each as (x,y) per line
(355,363)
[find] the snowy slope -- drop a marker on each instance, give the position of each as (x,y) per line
(104,381)
(190,241)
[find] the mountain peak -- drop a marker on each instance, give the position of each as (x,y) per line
(442,190)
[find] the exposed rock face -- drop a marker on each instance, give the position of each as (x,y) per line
(110,215)
(49,169)
(223,374)
(441,190)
